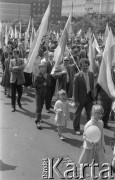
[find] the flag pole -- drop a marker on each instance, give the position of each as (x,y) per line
(72,22)
(72,8)
(48,32)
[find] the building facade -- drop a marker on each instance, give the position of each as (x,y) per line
(23,9)
(39,7)
(76,6)
(82,7)
(14,9)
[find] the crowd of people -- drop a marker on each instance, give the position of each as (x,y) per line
(72,75)
(72,79)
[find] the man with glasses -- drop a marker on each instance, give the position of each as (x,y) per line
(17,78)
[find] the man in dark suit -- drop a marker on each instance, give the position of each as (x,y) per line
(17,78)
(83,91)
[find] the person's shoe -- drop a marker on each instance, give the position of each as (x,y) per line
(13,109)
(106,126)
(112,118)
(39,126)
(78,133)
(41,120)
(48,111)
(36,121)
(8,96)
(51,107)
(62,138)
(19,104)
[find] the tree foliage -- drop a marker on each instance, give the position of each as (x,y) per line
(97,23)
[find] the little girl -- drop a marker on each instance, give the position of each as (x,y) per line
(90,150)
(61,109)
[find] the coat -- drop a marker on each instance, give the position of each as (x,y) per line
(79,87)
(17,74)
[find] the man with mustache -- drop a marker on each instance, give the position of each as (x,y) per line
(83,92)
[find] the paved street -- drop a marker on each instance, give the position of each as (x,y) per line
(22,146)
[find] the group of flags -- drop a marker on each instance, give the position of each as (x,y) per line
(104,79)
(105,76)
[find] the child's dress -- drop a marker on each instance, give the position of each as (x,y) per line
(62,112)
(93,151)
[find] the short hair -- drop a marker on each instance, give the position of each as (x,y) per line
(10,53)
(27,51)
(51,54)
(16,51)
(84,60)
(41,65)
(62,92)
(97,108)
(66,58)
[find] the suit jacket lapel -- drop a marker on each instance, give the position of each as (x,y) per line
(82,78)
(90,79)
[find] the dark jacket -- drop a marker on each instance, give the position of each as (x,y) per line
(79,87)
(39,83)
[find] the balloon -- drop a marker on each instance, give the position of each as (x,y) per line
(113,107)
(93,134)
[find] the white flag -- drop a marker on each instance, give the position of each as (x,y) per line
(105,77)
(42,31)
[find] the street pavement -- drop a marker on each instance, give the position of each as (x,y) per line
(23,146)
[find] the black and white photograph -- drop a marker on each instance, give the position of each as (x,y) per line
(57,89)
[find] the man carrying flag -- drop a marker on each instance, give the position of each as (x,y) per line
(105,85)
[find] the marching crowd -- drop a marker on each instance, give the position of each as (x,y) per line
(72,79)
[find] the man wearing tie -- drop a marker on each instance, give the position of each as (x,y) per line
(17,78)
(83,91)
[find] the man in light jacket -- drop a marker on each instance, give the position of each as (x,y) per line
(17,78)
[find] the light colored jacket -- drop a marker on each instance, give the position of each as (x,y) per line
(17,74)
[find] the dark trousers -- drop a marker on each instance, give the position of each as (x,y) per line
(53,85)
(40,98)
(67,88)
(88,106)
(106,103)
(112,116)
(48,98)
(50,92)
(15,87)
